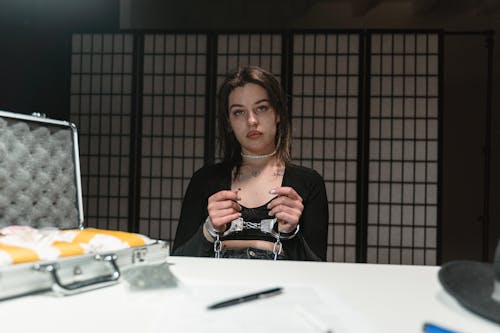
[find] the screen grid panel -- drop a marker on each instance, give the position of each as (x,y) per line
(322,74)
(173,131)
(325,127)
(100,106)
(403,163)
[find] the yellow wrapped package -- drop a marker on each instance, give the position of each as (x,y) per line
(21,244)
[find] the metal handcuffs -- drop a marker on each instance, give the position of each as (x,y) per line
(267,226)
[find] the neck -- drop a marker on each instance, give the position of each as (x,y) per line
(259,163)
(251,168)
(258,156)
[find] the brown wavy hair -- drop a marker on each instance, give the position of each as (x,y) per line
(229,146)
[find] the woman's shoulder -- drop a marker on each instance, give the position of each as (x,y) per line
(302,171)
(306,181)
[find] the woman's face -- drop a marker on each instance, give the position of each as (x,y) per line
(252,119)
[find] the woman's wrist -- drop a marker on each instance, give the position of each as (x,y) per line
(209,230)
(290,234)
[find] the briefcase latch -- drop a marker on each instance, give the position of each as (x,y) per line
(139,255)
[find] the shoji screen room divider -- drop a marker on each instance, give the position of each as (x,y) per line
(365,114)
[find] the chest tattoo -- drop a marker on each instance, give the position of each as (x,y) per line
(255,173)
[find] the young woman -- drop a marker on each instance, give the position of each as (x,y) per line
(256,203)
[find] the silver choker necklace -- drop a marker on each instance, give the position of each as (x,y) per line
(258,156)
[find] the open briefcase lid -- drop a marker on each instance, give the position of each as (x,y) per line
(40,182)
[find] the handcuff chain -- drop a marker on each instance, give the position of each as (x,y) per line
(239,224)
(251,225)
(275,247)
(217,247)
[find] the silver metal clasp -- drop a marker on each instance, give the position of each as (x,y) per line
(139,255)
(235,226)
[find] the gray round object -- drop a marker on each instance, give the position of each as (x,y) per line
(474,284)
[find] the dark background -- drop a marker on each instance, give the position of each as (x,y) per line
(35,72)
(35,48)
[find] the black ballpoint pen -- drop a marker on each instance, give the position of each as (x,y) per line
(246,298)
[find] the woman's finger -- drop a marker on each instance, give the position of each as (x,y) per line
(218,222)
(284,225)
(223,212)
(285,209)
(224,195)
(286,201)
(219,205)
(286,191)
(287,218)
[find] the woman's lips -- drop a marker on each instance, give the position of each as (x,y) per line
(254,134)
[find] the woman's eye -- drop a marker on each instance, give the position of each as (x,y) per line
(262,108)
(237,112)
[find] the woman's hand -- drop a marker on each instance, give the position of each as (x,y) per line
(223,208)
(287,208)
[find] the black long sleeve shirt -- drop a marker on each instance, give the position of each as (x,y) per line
(309,244)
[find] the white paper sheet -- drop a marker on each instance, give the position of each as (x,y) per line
(297,309)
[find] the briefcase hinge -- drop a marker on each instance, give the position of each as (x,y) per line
(39,114)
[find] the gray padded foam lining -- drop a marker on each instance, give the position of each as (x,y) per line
(37,180)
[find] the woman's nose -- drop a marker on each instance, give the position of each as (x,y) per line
(252,118)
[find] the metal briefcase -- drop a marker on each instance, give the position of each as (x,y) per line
(40,188)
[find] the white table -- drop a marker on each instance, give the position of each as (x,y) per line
(344,297)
